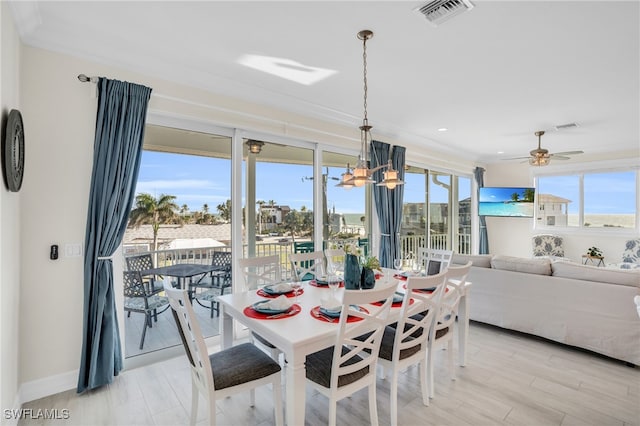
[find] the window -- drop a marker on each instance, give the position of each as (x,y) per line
(588,200)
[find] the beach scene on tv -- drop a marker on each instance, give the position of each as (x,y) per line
(510,202)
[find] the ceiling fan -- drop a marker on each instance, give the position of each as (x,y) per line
(541,156)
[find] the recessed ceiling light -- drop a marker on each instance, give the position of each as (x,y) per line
(500,152)
(442,129)
(286,68)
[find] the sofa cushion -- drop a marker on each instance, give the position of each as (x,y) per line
(521,264)
(593,273)
(479,260)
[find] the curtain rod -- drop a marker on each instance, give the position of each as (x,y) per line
(83,78)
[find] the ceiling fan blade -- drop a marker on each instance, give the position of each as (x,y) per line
(516,158)
(567,153)
(560,157)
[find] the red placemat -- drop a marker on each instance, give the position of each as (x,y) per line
(419,290)
(395,304)
(315,312)
(292,293)
(315,284)
(252,313)
(399,277)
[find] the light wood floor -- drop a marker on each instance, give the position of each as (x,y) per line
(164,333)
(510,379)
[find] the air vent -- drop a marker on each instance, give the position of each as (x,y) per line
(566,126)
(439,11)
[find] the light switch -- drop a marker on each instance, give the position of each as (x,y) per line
(73,250)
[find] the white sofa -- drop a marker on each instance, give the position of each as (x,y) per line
(578,305)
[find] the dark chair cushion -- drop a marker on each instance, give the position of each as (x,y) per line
(386,345)
(241,364)
(318,368)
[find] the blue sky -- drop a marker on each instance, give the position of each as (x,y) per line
(197,180)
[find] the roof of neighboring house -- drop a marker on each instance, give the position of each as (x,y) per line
(167,233)
(353,219)
(550,198)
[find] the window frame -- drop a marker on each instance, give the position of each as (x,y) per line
(580,170)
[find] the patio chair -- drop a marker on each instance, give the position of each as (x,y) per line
(343,369)
(222,374)
(142,262)
(257,272)
(213,284)
(307,266)
(137,298)
(406,344)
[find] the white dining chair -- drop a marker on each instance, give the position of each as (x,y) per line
(434,261)
(406,344)
(345,368)
(307,266)
(237,369)
(257,272)
(442,332)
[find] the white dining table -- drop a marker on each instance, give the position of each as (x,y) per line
(302,334)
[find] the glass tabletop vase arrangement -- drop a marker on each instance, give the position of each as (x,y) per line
(359,274)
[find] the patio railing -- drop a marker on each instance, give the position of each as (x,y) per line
(409,245)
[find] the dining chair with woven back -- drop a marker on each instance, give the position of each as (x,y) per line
(221,374)
(257,272)
(406,344)
(350,365)
(142,262)
(138,298)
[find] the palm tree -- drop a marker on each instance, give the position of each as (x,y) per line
(149,210)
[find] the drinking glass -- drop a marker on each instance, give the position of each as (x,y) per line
(397,264)
(334,283)
(415,267)
(296,286)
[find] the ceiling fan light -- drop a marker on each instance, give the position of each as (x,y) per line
(539,161)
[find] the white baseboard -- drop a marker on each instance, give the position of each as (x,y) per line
(36,389)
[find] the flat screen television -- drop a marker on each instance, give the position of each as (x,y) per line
(506,201)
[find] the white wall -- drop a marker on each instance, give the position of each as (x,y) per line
(10,240)
(512,236)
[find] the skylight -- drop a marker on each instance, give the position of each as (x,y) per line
(286,68)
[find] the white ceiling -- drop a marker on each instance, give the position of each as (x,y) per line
(492,76)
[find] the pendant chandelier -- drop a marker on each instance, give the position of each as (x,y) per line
(361,173)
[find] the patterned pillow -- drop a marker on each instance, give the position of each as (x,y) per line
(548,245)
(631,253)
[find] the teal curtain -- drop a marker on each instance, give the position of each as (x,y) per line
(121,115)
(478,172)
(388,202)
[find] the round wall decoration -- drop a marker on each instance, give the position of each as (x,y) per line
(13,151)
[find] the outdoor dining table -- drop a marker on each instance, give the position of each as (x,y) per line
(302,334)
(182,271)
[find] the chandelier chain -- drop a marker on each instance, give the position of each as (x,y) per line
(364,61)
